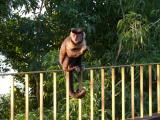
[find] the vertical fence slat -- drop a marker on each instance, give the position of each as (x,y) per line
(132,92)
(91,94)
(54,96)
(80,100)
(158,88)
(123,92)
(41,96)
(67,96)
(12,98)
(27,96)
(102,90)
(141,91)
(80,109)
(150,89)
(113,93)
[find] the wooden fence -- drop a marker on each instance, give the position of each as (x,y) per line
(112,70)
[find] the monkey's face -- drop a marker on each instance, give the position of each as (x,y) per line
(77,37)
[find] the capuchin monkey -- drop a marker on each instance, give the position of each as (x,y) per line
(71,52)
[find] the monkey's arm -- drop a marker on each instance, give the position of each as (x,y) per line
(62,53)
(84,48)
(68,68)
(74,53)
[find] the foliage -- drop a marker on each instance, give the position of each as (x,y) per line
(4,103)
(35,115)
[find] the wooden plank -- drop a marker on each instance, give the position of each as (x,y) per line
(132,92)
(67,96)
(158,88)
(80,109)
(102,96)
(41,96)
(91,95)
(141,91)
(150,89)
(113,93)
(123,92)
(80,100)
(26,97)
(12,98)
(54,96)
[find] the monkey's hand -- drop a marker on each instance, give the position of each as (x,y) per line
(82,68)
(77,68)
(83,50)
(65,69)
(69,68)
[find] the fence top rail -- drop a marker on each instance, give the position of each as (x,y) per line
(89,68)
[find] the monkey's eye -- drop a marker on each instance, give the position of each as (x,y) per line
(74,35)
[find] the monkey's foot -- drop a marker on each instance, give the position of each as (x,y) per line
(77,68)
(72,94)
(80,94)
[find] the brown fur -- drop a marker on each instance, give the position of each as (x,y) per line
(70,58)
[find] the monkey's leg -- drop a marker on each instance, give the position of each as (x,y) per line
(67,64)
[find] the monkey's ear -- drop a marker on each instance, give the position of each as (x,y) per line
(72,34)
(84,35)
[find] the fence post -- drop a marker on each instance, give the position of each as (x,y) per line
(80,109)
(102,90)
(123,92)
(80,100)
(12,98)
(132,91)
(67,95)
(54,97)
(150,89)
(141,91)
(91,94)
(41,96)
(27,96)
(113,93)
(158,88)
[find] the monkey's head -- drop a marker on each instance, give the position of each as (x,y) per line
(77,35)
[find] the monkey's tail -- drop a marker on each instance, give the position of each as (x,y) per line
(80,93)
(71,85)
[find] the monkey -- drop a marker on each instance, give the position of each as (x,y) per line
(70,56)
